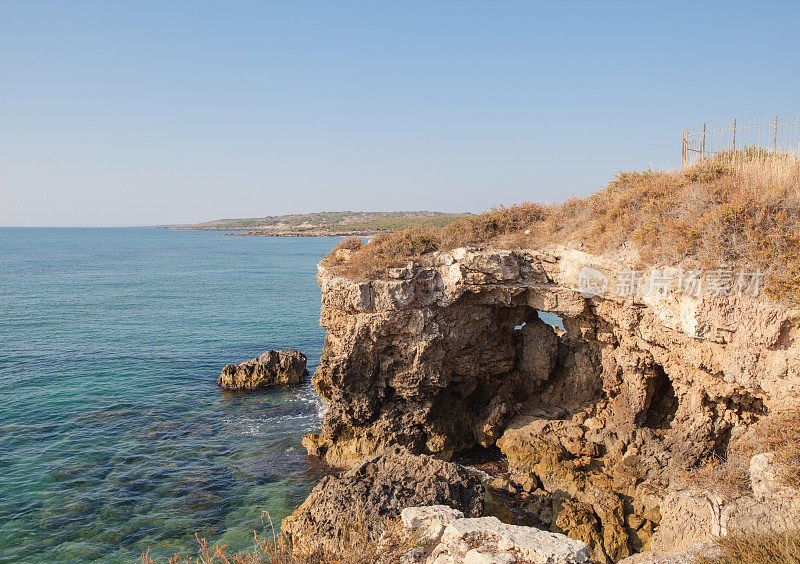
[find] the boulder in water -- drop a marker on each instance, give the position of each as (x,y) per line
(271,369)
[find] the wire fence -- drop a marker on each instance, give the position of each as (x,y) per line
(776,135)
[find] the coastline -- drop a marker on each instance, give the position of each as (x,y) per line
(320,233)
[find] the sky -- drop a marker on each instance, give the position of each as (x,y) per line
(143,113)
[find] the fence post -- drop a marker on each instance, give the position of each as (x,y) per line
(775,141)
(703,147)
(683,149)
(734,137)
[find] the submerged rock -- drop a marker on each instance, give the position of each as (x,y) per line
(376,489)
(273,368)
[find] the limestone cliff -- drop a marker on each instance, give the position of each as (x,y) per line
(598,422)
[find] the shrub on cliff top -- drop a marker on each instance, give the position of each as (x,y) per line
(739,209)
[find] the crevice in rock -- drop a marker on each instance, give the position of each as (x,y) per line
(479,455)
(663,402)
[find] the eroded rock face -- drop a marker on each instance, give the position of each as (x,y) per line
(271,369)
(376,489)
(600,420)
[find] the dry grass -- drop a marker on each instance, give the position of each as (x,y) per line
(727,477)
(342,252)
(739,209)
(277,551)
(357,547)
(780,435)
(385,251)
(757,548)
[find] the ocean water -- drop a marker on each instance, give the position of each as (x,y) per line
(113,435)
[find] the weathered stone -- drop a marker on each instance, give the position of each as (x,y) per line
(503,484)
(429,522)
(578,521)
(539,353)
(486,540)
(692,517)
(765,479)
(273,368)
(376,489)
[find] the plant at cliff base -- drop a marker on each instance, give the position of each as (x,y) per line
(780,435)
(277,551)
(757,548)
(727,477)
(357,547)
(358,543)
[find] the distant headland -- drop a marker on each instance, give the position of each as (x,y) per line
(321,224)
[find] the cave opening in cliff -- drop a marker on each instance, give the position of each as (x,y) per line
(663,403)
(551,319)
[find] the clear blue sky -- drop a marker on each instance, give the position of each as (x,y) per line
(120,113)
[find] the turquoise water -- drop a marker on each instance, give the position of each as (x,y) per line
(113,436)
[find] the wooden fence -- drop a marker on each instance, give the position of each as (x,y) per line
(777,135)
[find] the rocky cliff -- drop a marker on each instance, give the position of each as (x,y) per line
(599,422)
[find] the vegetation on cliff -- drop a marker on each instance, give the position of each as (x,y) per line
(740,208)
(729,476)
(757,548)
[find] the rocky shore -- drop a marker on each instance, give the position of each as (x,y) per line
(593,429)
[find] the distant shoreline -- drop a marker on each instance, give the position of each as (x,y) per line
(319,233)
(325,224)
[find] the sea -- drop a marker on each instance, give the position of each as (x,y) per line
(114,438)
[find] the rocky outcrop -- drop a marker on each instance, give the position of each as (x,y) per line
(598,422)
(376,489)
(271,369)
(488,540)
(438,534)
